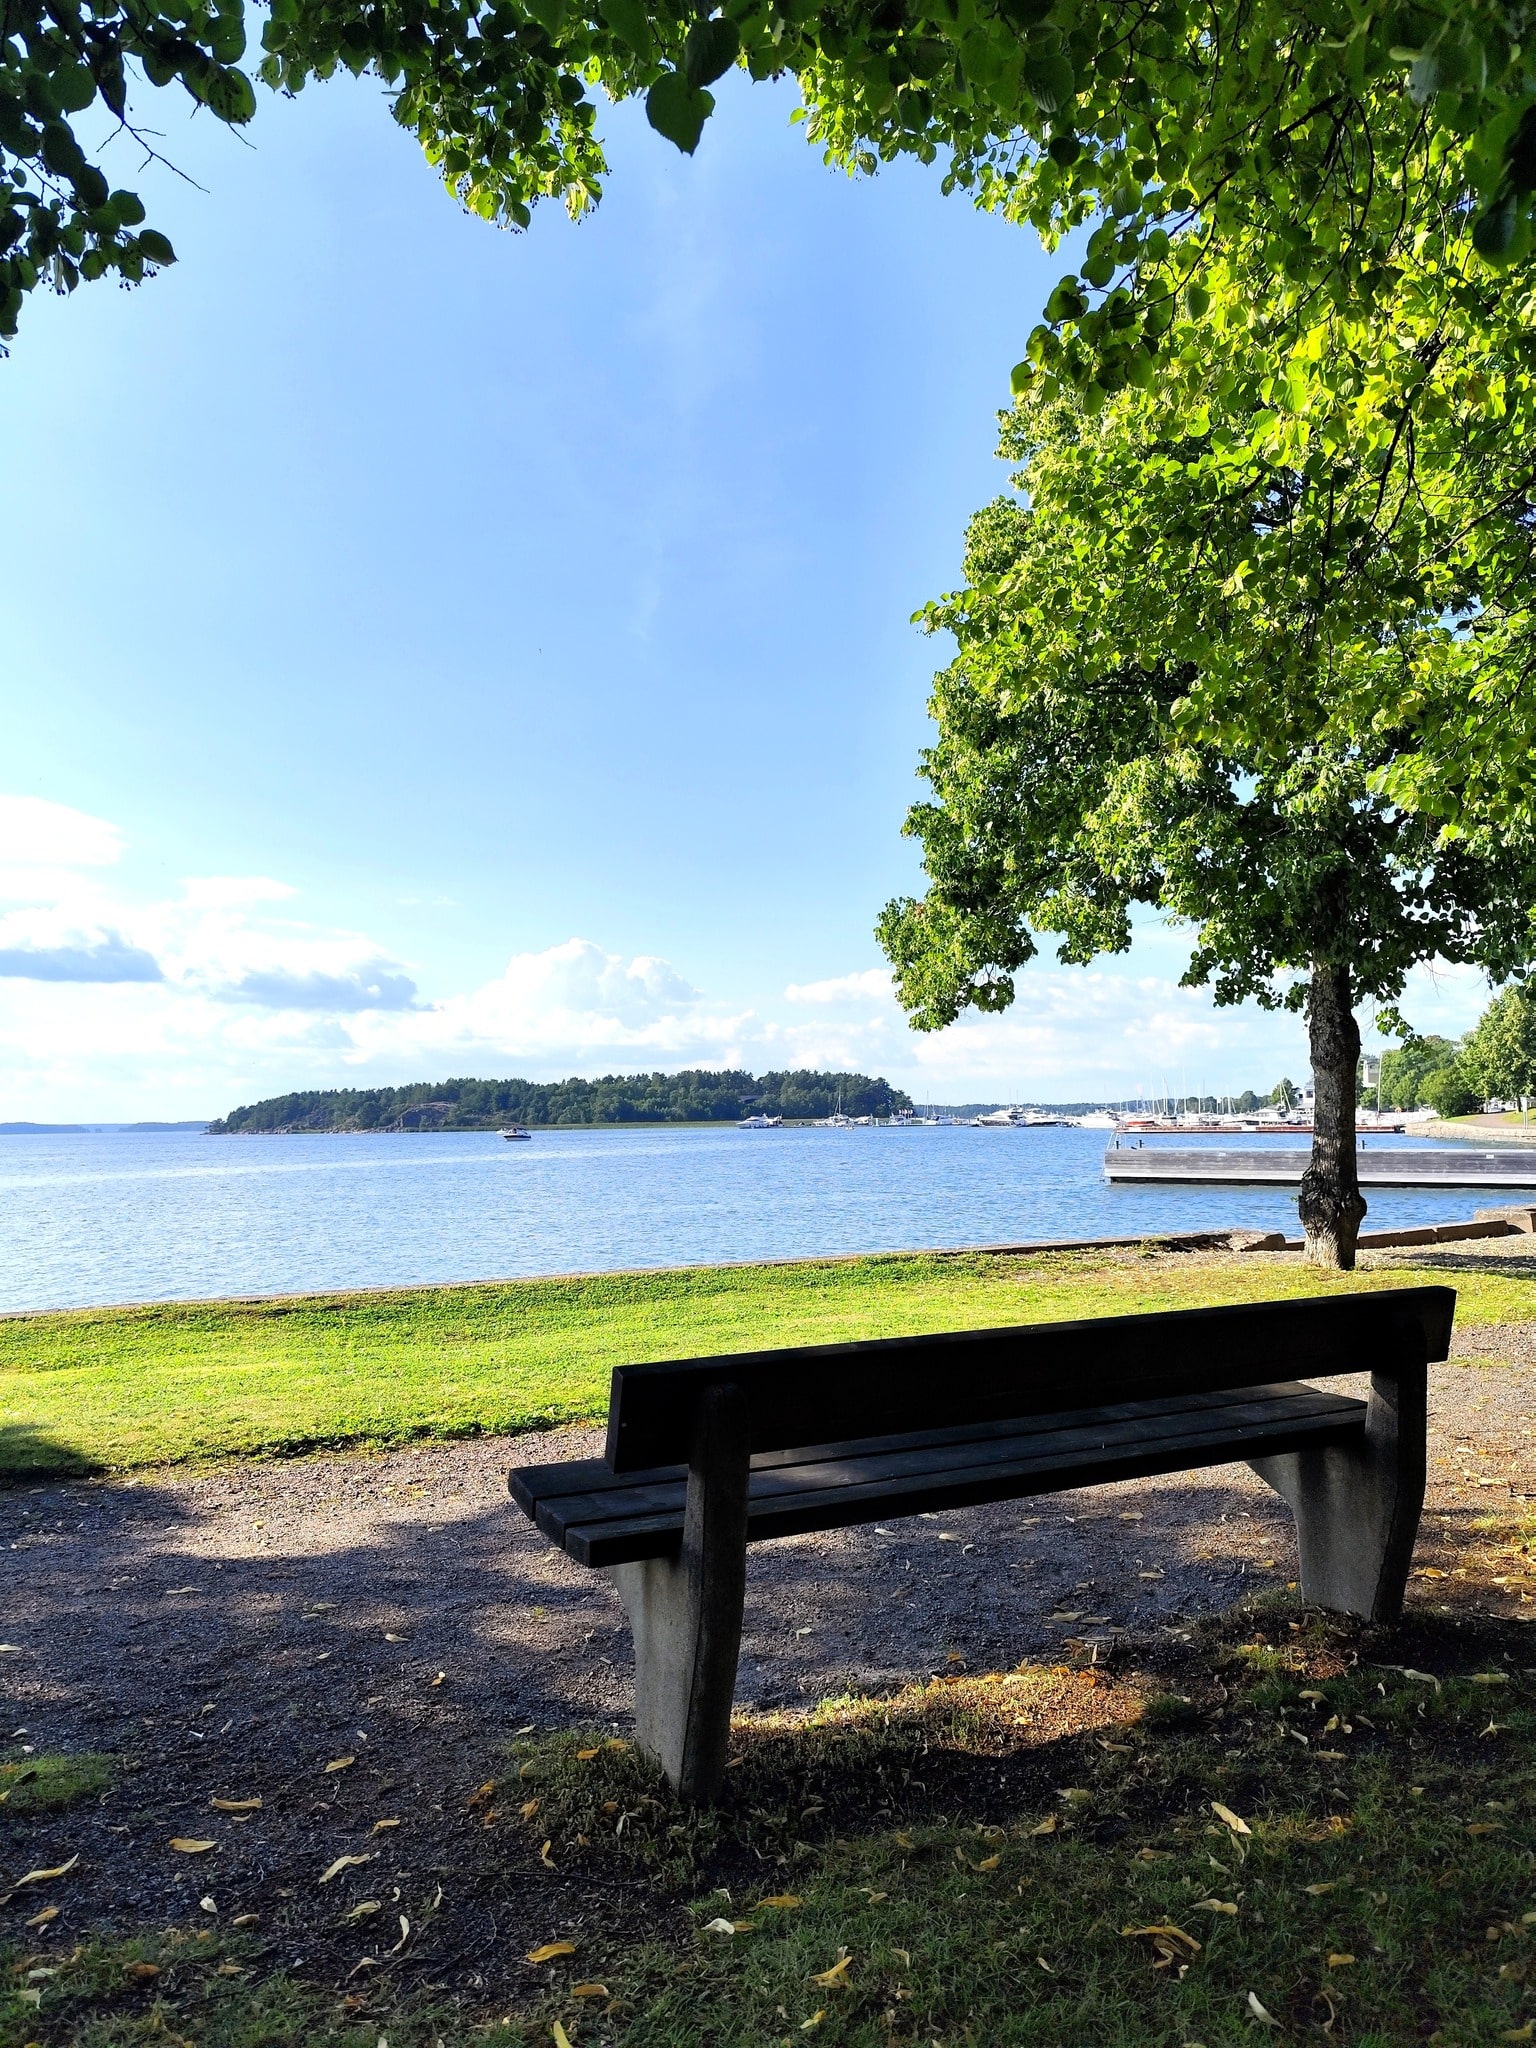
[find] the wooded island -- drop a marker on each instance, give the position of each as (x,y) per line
(695,1096)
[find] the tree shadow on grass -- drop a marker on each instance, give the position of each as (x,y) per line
(28,1454)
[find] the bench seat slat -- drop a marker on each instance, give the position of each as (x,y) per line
(532,1484)
(921,1458)
(600,1519)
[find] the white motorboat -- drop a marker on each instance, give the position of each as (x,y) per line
(760,1123)
(514,1133)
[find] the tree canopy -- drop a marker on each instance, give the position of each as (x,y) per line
(1180,684)
(1174,125)
(1498,1055)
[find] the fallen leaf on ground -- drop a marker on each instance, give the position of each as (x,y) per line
(1261,2012)
(479,1797)
(529,1808)
(1048,1826)
(42,1876)
(1340,1962)
(560,2037)
(380,1825)
(1167,1931)
(236,1805)
(1233,1820)
(549,1950)
(1407,1671)
(785,1902)
(41,1919)
(342,1863)
(141,1970)
(389,1637)
(341,1763)
(1525,2033)
(903,1841)
(11,1646)
(1316,1890)
(1485,1827)
(585,1756)
(615,1742)
(246,1920)
(815,2020)
(362,1909)
(989,1862)
(545,1857)
(192,1845)
(1215,1906)
(589,1991)
(1490,1678)
(838,1974)
(719,1926)
(438,1681)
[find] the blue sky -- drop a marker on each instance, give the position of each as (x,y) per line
(432,650)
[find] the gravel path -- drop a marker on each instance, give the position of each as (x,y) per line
(231,1633)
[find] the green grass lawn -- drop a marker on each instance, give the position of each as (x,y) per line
(117,1388)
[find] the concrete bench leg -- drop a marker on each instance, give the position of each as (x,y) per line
(1357,1507)
(685,1613)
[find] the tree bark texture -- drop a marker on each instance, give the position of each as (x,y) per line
(1331,1206)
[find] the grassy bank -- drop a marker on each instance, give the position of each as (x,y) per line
(119,1388)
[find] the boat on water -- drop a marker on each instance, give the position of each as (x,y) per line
(760,1123)
(514,1132)
(1016,1119)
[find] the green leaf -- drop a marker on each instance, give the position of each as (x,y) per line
(227,40)
(1198,300)
(155,248)
(549,14)
(1520,155)
(230,95)
(73,88)
(1052,81)
(1493,232)
(628,19)
(678,110)
(711,49)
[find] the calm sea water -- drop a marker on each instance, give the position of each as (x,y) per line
(177,1216)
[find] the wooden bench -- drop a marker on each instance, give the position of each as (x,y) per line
(707,1455)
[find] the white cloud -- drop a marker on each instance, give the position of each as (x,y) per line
(873,985)
(569,1004)
(38,834)
(221,993)
(233,892)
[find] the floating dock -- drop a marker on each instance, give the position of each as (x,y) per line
(1453,1166)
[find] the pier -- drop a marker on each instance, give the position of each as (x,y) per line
(1389,1167)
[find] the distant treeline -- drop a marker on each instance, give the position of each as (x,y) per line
(697,1096)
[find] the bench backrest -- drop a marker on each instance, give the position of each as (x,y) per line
(835,1393)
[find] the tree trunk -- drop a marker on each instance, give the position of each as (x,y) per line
(1331,1205)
